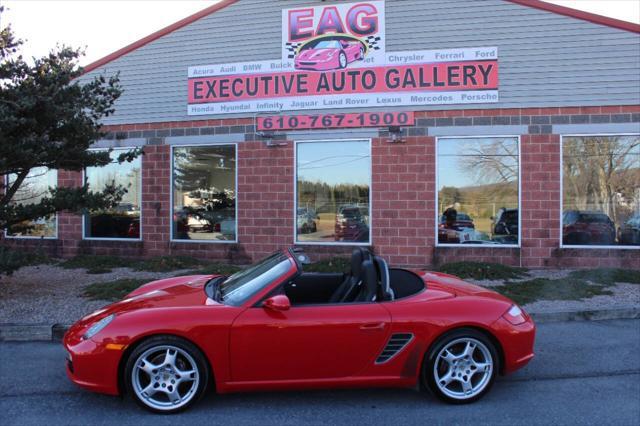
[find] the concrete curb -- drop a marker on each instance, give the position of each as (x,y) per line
(587,315)
(48,333)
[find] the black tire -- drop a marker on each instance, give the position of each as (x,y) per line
(314,228)
(201,365)
(305,229)
(428,366)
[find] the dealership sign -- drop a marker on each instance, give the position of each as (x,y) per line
(361,24)
(334,57)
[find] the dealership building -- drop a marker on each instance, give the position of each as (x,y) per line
(430,130)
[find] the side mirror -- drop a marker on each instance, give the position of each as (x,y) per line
(277,303)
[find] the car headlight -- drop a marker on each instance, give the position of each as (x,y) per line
(95,328)
(515,315)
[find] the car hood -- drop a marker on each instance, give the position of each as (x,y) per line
(317,54)
(168,293)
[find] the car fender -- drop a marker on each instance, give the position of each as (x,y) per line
(206,327)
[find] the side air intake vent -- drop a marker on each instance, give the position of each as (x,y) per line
(396,343)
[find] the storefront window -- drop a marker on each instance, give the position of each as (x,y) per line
(333,192)
(601,190)
(478,191)
(122,221)
(204,193)
(35,186)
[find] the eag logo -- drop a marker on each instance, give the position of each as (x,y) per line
(328,37)
(361,19)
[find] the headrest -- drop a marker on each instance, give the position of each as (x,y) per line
(370,276)
(356,261)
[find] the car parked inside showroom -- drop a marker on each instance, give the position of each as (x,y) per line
(273,326)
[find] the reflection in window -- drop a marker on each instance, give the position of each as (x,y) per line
(122,221)
(601,190)
(34,187)
(478,190)
(204,193)
(332,200)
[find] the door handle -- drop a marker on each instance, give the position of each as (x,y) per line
(373,326)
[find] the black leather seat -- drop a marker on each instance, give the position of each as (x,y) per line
(353,280)
(369,287)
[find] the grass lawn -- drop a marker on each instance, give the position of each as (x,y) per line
(105,264)
(517,283)
(530,291)
(483,271)
(114,290)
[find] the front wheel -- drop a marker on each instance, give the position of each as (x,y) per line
(461,367)
(342,59)
(166,374)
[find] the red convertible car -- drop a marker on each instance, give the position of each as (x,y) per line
(329,55)
(272,326)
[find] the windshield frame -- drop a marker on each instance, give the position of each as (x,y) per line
(260,277)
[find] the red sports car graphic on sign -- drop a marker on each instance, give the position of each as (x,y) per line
(326,55)
(274,326)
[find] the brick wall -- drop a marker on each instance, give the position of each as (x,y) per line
(403,194)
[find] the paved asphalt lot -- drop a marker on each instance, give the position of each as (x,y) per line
(584,373)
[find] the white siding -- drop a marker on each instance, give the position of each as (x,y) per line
(545,59)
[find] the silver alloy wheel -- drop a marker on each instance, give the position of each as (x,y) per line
(343,60)
(463,368)
(165,377)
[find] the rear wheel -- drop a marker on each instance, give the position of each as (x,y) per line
(166,374)
(461,367)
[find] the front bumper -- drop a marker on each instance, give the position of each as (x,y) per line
(316,65)
(92,365)
(517,343)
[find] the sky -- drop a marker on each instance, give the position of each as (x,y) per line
(104,26)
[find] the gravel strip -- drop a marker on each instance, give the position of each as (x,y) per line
(552,274)
(624,296)
(48,294)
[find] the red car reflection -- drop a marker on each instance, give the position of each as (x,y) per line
(581,227)
(272,326)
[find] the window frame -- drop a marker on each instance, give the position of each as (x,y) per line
(32,237)
(83,216)
(171,168)
(295,195)
(437,190)
(588,247)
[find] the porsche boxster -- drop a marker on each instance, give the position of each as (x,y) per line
(273,326)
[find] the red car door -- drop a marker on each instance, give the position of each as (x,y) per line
(307,342)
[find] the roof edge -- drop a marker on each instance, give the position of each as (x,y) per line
(156,35)
(537,4)
(579,14)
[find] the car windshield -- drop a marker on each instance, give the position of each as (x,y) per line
(241,286)
(328,44)
(594,218)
